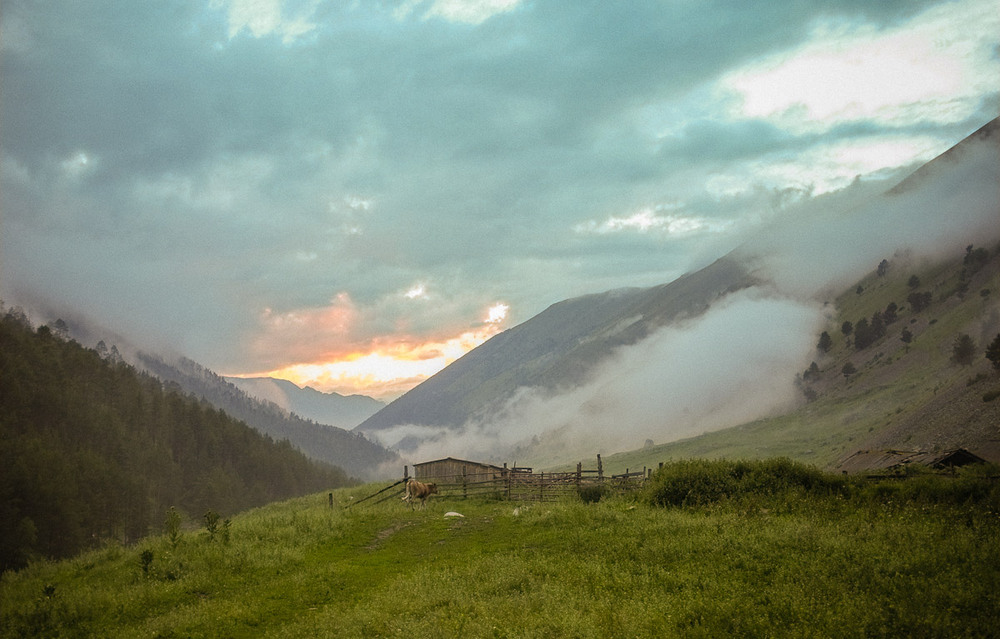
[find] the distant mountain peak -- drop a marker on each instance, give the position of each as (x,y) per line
(334,409)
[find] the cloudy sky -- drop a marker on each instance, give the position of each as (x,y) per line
(353,194)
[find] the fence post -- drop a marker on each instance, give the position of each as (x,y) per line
(579,474)
(600,470)
(465,485)
(541,486)
(406,473)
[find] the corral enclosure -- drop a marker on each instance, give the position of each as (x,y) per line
(460,477)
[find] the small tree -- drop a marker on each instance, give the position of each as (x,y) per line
(964,350)
(919,301)
(846,328)
(914,282)
(825,342)
(993,353)
(211,523)
(173,527)
(848,370)
(883,268)
(890,314)
(877,325)
(863,334)
(906,336)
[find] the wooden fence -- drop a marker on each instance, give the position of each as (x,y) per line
(522,484)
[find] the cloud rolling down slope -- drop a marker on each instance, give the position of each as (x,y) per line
(711,349)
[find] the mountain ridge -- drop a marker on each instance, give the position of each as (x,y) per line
(331,409)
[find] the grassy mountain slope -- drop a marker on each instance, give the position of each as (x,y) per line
(903,396)
(92,450)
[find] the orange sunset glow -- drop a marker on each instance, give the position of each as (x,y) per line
(387,371)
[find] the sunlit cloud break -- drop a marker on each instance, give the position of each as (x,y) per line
(418,291)
(388,370)
(497,313)
(649,219)
(472,12)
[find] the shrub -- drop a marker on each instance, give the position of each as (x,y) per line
(592,494)
(146,560)
(700,482)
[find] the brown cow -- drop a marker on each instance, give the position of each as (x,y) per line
(420,490)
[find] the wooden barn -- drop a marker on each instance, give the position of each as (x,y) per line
(457,471)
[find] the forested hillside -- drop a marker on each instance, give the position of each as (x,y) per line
(90,449)
(351,451)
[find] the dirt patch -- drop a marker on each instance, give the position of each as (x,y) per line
(384,534)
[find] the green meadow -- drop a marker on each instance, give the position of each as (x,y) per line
(706,549)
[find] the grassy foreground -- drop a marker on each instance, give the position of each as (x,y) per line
(791,565)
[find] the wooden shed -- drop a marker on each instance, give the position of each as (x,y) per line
(948,459)
(457,471)
(882,460)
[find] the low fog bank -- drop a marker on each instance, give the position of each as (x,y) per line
(737,362)
(830,242)
(725,367)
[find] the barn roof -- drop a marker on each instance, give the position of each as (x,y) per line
(460,461)
(869,460)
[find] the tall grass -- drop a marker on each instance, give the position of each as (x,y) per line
(790,555)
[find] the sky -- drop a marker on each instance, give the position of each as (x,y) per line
(351,195)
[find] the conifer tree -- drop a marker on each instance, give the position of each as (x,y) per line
(964,350)
(993,353)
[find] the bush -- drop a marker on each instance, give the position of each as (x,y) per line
(592,494)
(700,482)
